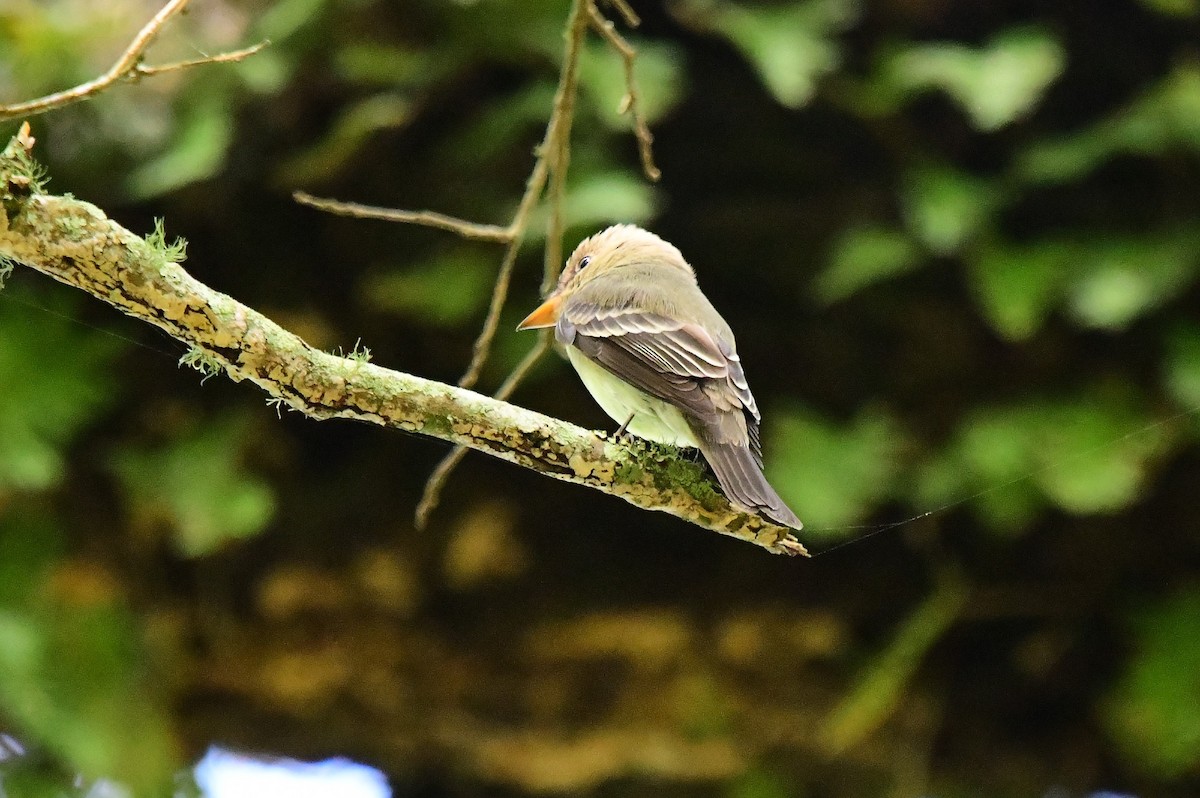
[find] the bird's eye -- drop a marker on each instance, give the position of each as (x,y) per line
(584,261)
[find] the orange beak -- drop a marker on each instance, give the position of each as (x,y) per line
(546,314)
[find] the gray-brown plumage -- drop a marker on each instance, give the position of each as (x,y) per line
(658,357)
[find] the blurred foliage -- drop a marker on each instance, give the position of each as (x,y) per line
(1085,455)
(71,672)
(960,244)
(835,472)
(1154,711)
(791,45)
(57,377)
(995,84)
(198,487)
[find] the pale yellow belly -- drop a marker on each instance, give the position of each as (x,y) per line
(653,419)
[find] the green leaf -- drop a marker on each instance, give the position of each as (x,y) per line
(758,782)
(1086,463)
(1017,287)
(57,377)
(863,256)
(354,126)
(1087,454)
(444,291)
(30,544)
(1165,116)
(1126,277)
(879,691)
(1183,365)
(71,676)
(600,198)
(198,486)
(1106,281)
(995,84)
(945,208)
(658,72)
(1154,712)
(834,474)
(1173,8)
(205,130)
(790,46)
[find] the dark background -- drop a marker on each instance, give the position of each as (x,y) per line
(959,244)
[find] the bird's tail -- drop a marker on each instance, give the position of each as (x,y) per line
(741,477)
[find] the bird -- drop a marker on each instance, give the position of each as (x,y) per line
(659,359)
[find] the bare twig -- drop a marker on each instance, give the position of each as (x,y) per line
(564,100)
(552,161)
(232,56)
(628,14)
(629,103)
(477,232)
(127,67)
(550,166)
(558,142)
(75,243)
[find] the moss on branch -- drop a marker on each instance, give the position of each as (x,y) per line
(75,243)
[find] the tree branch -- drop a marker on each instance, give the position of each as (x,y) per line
(471,230)
(629,103)
(75,243)
(553,157)
(127,67)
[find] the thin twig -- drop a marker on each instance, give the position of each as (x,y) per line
(564,98)
(558,148)
(127,67)
(478,232)
(74,242)
(233,56)
(552,157)
(483,342)
(628,14)
(441,473)
(629,103)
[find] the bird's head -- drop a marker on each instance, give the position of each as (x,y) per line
(613,248)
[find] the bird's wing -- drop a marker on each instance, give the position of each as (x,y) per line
(678,362)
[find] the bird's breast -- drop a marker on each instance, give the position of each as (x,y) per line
(653,419)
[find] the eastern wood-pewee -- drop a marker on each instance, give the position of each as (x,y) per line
(659,359)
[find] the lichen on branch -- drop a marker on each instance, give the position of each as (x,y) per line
(75,243)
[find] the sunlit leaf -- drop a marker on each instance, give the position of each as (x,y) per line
(443,292)
(56,377)
(945,207)
(1124,278)
(598,199)
(1167,115)
(1018,287)
(1088,454)
(832,474)
(1105,281)
(658,72)
(199,487)
(197,151)
(863,256)
(1154,713)
(995,84)
(790,46)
